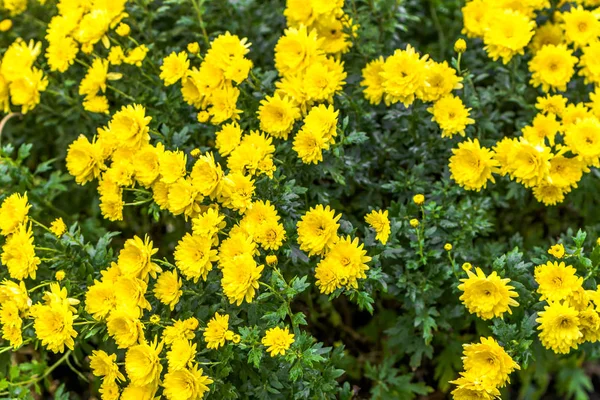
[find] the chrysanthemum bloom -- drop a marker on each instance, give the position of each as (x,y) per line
(552,67)
(194,256)
(100,299)
(19,57)
(557,281)
(329,276)
(489,360)
(15,293)
(323,119)
(317,230)
(11,322)
(475,14)
(53,326)
(61,53)
(351,258)
(559,326)
(18,254)
(207,176)
(581,26)
(296,50)
(547,34)
(136,55)
(404,74)
(217,331)
(84,160)
(175,67)
(583,139)
(95,78)
(228,138)
(258,214)
(551,104)
(471,165)
(209,224)
(131,293)
(147,165)
(557,250)
(575,113)
(180,330)
(237,193)
(379,221)
(132,392)
(323,80)
(237,244)
(135,260)
(372,81)
(589,325)
(252,154)
(223,105)
(184,198)
(57,227)
(507,34)
(590,63)
(565,172)
(167,288)
(130,126)
(124,327)
(25,90)
(440,81)
(544,126)
(470,386)
(451,115)
(13,212)
(142,363)
(181,355)
(277,115)
(103,364)
(240,279)
(227,49)
(277,340)
(550,194)
(487,296)
(186,384)
(529,164)
(109,390)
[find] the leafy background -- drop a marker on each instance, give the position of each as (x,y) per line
(401,335)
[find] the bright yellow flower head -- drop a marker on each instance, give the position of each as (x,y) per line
(130,126)
(136,56)
(351,260)
(58,227)
(61,54)
(317,230)
(372,81)
(529,164)
(471,165)
(186,384)
(329,276)
(142,363)
(324,79)
(404,75)
(589,325)
(549,194)
(277,115)
(277,340)
(240,279)
(552,67)
(418,199)
(19,58)
(487,296)
(565,172)
(209,224)
(451,115)
(14,293)
(475,15)
(194,256)
(228,138)
(53,324)
(470,386)
(414,222)
(551,104)
(100,299)
(490,361)
(581,26)
(583,139)
(547,34)
(103,364)
(507,34)
(254,155)
(13,212)
(123,29)
(460,46)
(18,254)
(543,127)
(296,50)
(175,67)
(440,81)
(557,281)
(11,323)
(590,63)
(559,326)
(217,331)
(135,260)
(25,90)
(558,250)
(181,355)
(379,221)
(124,327)
(237,193)
(180,330)
(168,288)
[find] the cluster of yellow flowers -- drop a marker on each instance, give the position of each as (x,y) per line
(487,367)
(571,315)
(405,76)
(563,140)
(21,82)
(210,88)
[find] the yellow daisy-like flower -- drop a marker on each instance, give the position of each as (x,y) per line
(379,221)
(53,324)
(451,115)
(58,227)
(168,288)
(372,81)
(194,256)
(61,53)
(277,115)
(181,355)
(583,139)
(124,327)
(559,326)
(25,90)
(317,230)
(549,194)
(551,104)
(186,384)
(240,279)
(11,323)
(543,127)
(217,331)
(130,126)
(175,67)
(13,213)
(228,138)
(552,67)
(490,361)
(581,26)
(277,340)
(404,75)
(475,15)
(470,386)
(589,325)
(558,250)
(471,165)
(142,363)
(18,254)
(103,364)
(507,34)
(557,281)
(440,81)
(238,190)
(351,260)
(546,34)
(135,260)
(487,296)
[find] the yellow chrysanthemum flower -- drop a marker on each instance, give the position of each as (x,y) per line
(167,288)
(471,165)
(142,363)
(552,67)
(277,340)
(58,227)
(489,360)
(135,260)
(217,331)
(451,115)
(379,221)
(13,213)
(556,281)
(181,355)
(186,384)
(559,326)
(557,250)
(507,33)
(175,67)
(194,256)
(18,254)
(487,296)
(240,279)
(372,81)
(317,230)
(103,364)
(404,75)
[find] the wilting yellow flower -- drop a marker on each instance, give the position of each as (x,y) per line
(240,279)
(186,384)
(379,221)
(317,230)
(13,213)
(142,363)
(557,281)
(490,361)
(217,331)
(167,288)
(103,364)
(58,227)
(559,325)
(277,340)
(487,296)
(558,250)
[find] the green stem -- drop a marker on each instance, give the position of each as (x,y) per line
(40,224)
(201,21)
(38,286)
(137,203)
(114,89)
(46,373)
